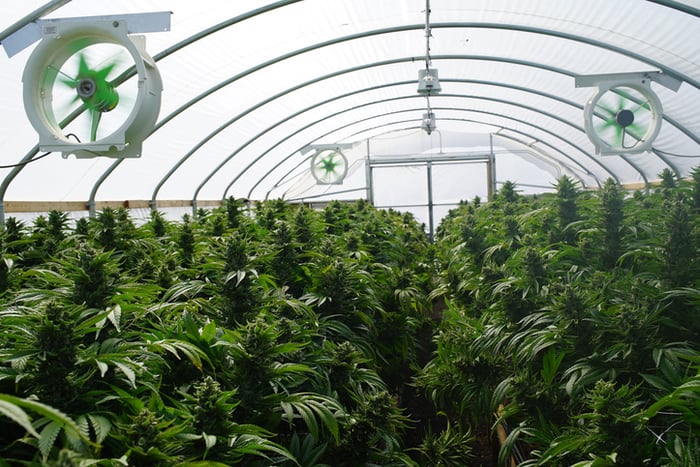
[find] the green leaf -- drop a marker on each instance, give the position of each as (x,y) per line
(175,347)
(46,411)
(48,436)
(550,364)
(209,441)
(101,426)
(128,372)
(258,446)
(17,415)
(309,406)
(103,367)
(114,316)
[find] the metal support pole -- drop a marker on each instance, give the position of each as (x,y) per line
(90,205)
(491,171)
(431,221)
(368,176)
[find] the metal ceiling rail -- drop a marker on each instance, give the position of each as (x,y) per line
(396,112)
(499,125)
(682,7)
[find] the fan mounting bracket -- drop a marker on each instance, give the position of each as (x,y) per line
(137,23)
(642,78)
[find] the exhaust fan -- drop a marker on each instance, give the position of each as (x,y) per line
(329,167)
(624,115)
(75,92)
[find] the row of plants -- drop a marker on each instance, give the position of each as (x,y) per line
(275,335)
(563,324)
(571,323)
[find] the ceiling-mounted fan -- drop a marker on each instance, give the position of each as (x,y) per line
(624,115)
(76,94)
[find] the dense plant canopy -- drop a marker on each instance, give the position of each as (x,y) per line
(565,324)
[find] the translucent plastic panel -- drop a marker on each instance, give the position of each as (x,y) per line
(400,185)
(453,183)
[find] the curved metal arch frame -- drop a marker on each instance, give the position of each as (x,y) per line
(289,117)
(678,6)
(437,58)
(542,31)
(547,32)
(641,173)
(503,101)
(552,160)
(229,122)
(412,110)
(556,161)
(470,57)
(299,51)
(127,74)
(331,193)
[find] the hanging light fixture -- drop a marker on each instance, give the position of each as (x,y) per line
(428,122)
(428,82)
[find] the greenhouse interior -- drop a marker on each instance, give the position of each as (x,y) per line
(350,233)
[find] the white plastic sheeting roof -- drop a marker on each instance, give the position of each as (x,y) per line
(248,85)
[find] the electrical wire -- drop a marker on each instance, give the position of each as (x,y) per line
(22,164)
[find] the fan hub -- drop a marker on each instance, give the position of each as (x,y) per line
(86,88)
(101,97)
(624,118)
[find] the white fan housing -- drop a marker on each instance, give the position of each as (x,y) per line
(635,90)
(62,39)
(329,166)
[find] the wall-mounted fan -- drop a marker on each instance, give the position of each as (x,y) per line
(624,115)
(329,167)
(75,94)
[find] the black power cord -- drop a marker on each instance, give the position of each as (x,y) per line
(21,164)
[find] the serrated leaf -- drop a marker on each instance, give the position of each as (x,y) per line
(101,426)
(48,437)
(128,372)
(76,442)
(48,412)
(115,315)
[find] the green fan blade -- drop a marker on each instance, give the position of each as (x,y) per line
(104,72)
(606,110)
(630,98)
(95,117)
(636,131)
(70,82)
(610,132)
(83,68)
